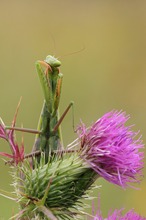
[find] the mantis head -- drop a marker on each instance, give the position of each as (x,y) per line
(52,61)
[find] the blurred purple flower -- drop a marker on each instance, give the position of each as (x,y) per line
(117,215)
(111,149)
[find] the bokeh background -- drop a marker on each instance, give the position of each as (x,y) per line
(110,73)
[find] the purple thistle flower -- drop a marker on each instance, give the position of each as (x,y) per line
(17,153)
(117,215)
(111,149)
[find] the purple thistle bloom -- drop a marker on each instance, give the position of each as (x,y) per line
(17,153)
(117,215)
(111,149)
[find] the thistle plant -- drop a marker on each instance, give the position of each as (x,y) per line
(50,181)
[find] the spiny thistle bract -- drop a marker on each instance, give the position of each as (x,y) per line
(63,181)
(50,182)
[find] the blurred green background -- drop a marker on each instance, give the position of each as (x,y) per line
(109,74)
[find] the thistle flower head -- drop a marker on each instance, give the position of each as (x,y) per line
(111,149)
(17,153)
(58,186)
(117,215)
(8,135)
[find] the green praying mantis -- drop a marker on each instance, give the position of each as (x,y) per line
(51,80)
(48,134)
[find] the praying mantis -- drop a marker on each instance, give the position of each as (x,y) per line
(51,80)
